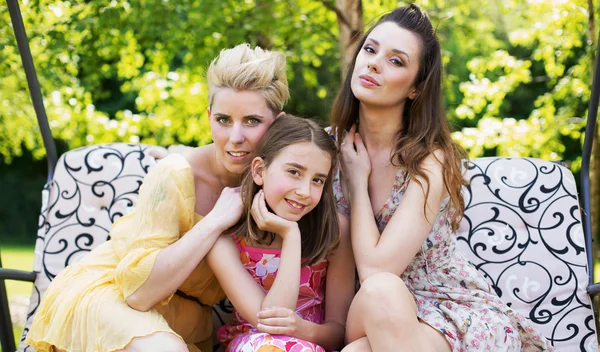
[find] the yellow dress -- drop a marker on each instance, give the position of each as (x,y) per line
(84,308)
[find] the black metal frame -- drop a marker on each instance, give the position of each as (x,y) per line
(6,333)
(590,129)
(7,338)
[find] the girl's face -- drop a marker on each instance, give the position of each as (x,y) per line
(238,120)
(386,66)
(294,181)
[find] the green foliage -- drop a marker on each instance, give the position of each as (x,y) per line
(529,97)
(134,71)
(517,72)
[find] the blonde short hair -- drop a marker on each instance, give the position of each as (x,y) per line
(243,68)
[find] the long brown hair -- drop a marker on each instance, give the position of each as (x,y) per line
(425,128)
(319,228)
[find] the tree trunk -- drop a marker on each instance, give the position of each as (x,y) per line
(350,21)
(595,162)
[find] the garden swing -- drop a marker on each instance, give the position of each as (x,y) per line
(523,225)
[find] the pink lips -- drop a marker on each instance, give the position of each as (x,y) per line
(238,157)
(293,207)
(368,81)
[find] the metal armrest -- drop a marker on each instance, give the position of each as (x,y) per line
(7,339)
(19,275)
(593,289)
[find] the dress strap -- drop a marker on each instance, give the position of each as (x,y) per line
(239,242)
(405,182)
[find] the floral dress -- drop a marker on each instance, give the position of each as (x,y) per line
(263,264)
(452,296)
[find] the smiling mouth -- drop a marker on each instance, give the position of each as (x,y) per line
(295,205)
(238,154)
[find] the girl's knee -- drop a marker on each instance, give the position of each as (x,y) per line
(160,341)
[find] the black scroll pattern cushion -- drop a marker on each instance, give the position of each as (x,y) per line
(92,187)
(522,229)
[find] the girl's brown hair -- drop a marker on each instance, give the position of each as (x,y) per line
(425,128)
(319,228)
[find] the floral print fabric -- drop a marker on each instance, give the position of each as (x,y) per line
(263,264)
(452,296)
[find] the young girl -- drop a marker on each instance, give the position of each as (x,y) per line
(401,191)
(276,264)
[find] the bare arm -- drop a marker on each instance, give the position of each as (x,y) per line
(406,231)
(174,264)
(285,289)
(339,294)
(239,286)
(154,259)
(243,291)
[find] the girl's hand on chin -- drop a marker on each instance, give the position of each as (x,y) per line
(356,165)
(269,222)
(228,209)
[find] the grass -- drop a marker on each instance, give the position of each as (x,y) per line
(21,258)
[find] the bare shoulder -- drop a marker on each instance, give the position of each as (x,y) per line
(201,160)
(433,165)
(433,168)
(224,247)
(197,156)
(434,160)
(206,182)
(225,242)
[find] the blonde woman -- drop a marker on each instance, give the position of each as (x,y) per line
(149,287)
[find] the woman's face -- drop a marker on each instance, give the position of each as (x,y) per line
(238,120)
(386,66)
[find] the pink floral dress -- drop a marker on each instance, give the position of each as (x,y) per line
(452,296)
(263,264)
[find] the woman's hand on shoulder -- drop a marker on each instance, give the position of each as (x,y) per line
(228,208)
(161,153)
(356,165)
(269,222)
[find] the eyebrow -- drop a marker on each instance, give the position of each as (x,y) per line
(303,168)
(251,116)
(397,51)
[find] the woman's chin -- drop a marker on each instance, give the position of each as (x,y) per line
(235,169)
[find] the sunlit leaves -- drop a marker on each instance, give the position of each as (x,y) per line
(517,72)
(547,52)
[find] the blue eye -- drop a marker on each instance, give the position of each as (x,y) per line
(223,120)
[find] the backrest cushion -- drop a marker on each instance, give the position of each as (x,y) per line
(522,228)
(92,187)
